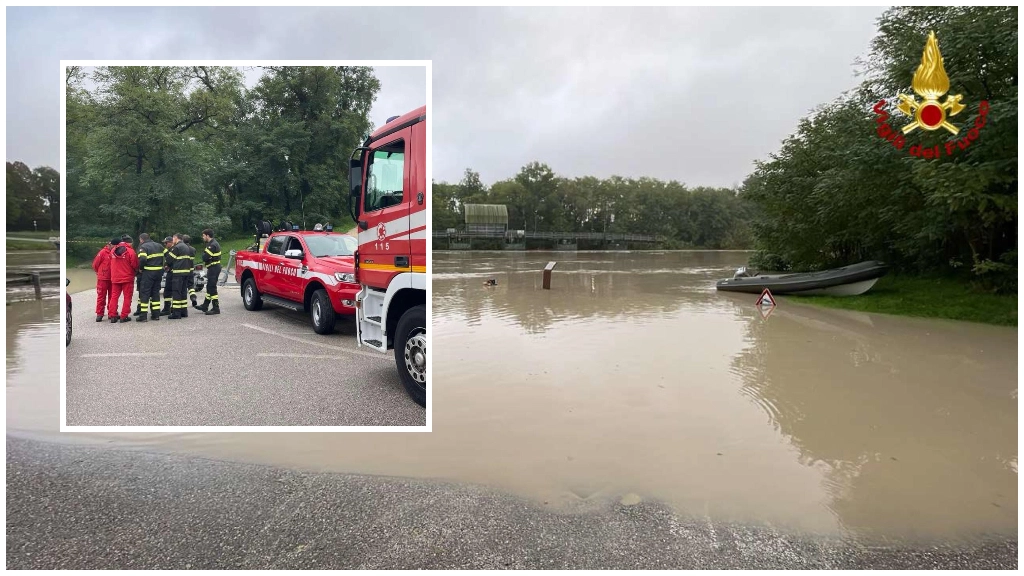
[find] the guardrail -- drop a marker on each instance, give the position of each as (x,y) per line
(34,278)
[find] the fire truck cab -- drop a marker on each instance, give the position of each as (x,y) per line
(388,201)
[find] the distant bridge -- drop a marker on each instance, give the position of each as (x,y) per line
(534,235)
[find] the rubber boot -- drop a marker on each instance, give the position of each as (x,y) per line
(138,310)
(143,316)
(154,315)
(194,303)
(166,309)
(184,311)
(175,315)
(215,310)
(204,306)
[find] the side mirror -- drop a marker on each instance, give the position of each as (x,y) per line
(67,281)
(293,254)
(355,176)
(355,181)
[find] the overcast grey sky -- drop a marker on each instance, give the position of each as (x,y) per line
(690,94)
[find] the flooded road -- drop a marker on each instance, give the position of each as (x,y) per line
(33,364)
(22,261)
(633,380)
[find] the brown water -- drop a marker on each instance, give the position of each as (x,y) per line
(31,261)
(32,258)
(633,379)
(33,364)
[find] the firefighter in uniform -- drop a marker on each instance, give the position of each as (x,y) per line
(151,266)
(168,264)
(211,257)
(138,277)
(181,267)
(190,287)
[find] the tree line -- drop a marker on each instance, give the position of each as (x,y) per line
(33,198)
(539,200)
(841,189)
(164,149)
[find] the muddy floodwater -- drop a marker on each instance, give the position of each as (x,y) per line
(23,261)
(632,379)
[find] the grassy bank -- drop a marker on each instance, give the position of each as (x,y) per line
(15,245)
(41,234)
(930,298)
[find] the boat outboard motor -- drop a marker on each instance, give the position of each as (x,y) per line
(742,273)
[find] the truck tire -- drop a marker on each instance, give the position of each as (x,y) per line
(411,352)
(251,296)
(321,312)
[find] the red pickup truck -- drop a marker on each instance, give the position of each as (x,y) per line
(303,270)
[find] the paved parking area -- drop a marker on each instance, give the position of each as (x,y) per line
(240,368)
(78,507)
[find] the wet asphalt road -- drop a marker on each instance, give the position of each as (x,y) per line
(240,368)
(79,507)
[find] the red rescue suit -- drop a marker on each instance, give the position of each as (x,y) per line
(123,266)
(101,265)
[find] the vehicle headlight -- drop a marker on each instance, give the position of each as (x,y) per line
(340,277)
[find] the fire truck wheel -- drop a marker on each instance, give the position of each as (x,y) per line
(251,296)
(411,352)
(321,312)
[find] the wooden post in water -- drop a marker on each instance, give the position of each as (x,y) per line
(35,283)
(547,275)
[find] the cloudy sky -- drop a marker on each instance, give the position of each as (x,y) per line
(690,94)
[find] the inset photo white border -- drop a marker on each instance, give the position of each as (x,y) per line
(427,64)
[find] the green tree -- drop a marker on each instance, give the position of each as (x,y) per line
(836,192)
(25,201)
(167,149)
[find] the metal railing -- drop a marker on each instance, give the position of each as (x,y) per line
(535,235)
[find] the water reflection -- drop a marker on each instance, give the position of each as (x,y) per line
(33,366)
(915,420)
(589,286)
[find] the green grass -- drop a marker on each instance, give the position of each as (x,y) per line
(949,298)
(12,245)
(42,234)
(227,245)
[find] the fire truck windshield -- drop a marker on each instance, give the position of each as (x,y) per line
(333,245)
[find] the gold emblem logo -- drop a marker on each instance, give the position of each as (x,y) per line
(930,83)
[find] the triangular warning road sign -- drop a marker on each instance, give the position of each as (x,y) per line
(766,298)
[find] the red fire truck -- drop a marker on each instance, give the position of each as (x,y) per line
(388,200)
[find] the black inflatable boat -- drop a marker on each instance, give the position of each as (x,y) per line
(846,281)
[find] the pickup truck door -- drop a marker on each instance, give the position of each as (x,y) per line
(270,261)
(290,283)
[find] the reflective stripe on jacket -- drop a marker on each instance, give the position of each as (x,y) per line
(211,256)
(151,256)
(181,262)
